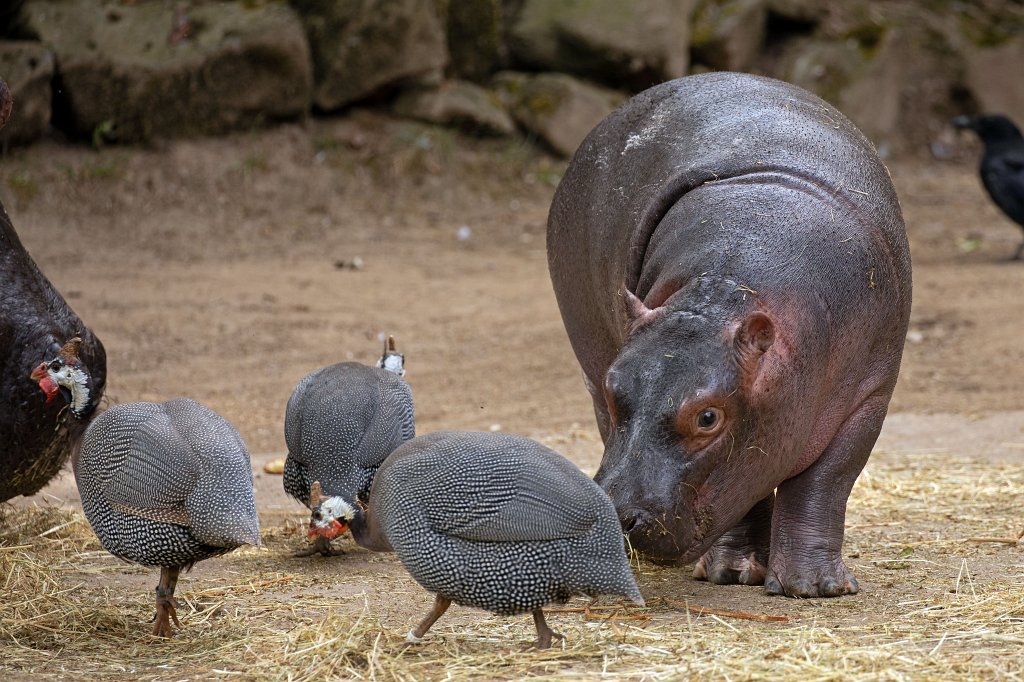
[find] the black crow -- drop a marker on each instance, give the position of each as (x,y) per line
(1002,166)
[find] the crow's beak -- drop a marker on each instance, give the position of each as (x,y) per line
(962,122)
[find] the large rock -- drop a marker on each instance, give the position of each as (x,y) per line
(132,72)
(728,34)
(361,47)
(891,70)
(557,108)
(625,44)
(474,37)
(458,104)
(28,69)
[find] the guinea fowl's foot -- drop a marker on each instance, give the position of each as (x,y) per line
(415,635)
(166,607)
(544,634)
(321,546)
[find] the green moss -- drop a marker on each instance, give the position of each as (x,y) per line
(541,103)
(23,185)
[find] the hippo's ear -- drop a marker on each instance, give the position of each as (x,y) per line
(637,312)
(754,336)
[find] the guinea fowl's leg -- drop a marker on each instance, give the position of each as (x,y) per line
(165,606)
(322,546)
(441,605)
(544,633)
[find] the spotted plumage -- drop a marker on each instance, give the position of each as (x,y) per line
(166,485)
(341,422)
(498,522)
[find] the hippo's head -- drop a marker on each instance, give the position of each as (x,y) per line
(683,455)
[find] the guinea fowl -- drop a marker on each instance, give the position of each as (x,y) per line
(37,437)
(342,421)
(166,484)
(1002,165)
(495,521)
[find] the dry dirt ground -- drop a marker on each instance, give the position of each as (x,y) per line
(220,269)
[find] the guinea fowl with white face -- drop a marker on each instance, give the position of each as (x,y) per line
(494,521)
(166,484)
(342,421)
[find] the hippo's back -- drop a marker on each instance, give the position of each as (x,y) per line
(716,150)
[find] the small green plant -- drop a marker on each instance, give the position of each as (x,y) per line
(23,185)
(102,133)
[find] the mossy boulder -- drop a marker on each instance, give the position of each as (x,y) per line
(557,108)
(27,67)
(133,72)
(474,29)
(362,48)
(459,104)
(631,45)
(728,34)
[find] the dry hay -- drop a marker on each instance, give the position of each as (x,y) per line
(933,540)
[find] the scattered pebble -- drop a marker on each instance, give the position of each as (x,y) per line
(274,466)
(495,427)
(354,263)
(463,233)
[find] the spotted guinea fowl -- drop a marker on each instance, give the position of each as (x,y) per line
(166,484)
(36,436)
(1002,165)
(498,522)
(342,421)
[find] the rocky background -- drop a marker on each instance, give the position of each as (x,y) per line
(134,71)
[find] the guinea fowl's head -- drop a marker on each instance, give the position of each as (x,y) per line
(392,360)
(331,515)
(991,128)
(66,375)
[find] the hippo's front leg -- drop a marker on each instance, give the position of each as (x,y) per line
(741,555)
(810,512)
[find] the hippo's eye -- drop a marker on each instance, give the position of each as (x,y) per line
(709,419)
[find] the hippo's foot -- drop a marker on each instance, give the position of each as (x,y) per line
(723,566)
(741,555)
(827,578)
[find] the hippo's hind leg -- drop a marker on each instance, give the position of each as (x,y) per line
(741,555)
(810,512)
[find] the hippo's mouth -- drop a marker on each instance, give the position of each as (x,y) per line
(680,542)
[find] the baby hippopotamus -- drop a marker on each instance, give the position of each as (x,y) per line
(731,265)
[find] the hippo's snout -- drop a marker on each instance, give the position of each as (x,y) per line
(659,536)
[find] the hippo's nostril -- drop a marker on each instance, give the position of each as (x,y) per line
(631,519)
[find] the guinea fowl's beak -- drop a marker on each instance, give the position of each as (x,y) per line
(46,384)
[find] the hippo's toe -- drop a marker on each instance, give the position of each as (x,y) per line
(811,584)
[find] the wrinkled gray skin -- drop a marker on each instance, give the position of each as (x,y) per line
(740,391)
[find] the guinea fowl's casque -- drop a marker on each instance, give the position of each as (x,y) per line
(498,522)
(342,421)
(36,436)
(1002,165)
(166,484)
